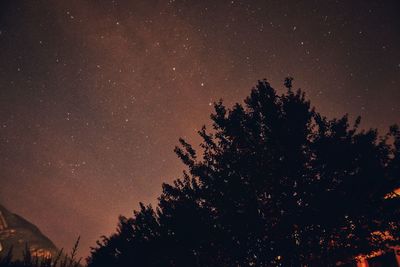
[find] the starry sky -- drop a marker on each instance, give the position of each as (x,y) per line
(95,94)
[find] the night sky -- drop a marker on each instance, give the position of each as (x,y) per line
(95,94)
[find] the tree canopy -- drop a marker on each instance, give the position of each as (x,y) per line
(274,183)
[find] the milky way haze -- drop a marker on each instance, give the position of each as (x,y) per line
(95,94)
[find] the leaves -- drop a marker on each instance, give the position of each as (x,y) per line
(278,184)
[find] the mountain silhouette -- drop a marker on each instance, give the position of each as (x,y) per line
(18,233)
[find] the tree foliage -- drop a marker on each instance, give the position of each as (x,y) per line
(275,184)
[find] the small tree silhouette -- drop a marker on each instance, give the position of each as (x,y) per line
(276,184)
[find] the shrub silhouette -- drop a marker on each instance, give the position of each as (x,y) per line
(276,184)
(30,260)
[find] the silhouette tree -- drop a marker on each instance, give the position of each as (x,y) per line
(276,184)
